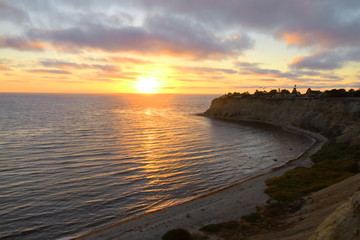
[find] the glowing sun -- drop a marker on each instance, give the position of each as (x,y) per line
(147,85)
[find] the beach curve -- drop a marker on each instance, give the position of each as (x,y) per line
(229,203)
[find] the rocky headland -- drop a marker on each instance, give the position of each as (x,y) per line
(332,117)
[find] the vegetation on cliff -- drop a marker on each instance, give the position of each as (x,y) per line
(333,163)
(265,218)
(333,93)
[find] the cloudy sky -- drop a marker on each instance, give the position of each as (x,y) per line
(178,46)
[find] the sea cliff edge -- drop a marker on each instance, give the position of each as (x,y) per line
(333,118)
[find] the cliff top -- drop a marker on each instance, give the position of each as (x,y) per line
(284,93)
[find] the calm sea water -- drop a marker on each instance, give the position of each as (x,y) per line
(71,163)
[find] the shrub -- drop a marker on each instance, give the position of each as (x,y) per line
(177,234)
(252,217)
(332,164)
(213,228)
(199,236)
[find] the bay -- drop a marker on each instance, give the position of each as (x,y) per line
(74,162)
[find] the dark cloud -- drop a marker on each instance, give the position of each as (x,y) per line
(188,32)
(332,78)
(48,71)
(160,35)
(318,61)
(246,65)
(305,23)
(326,60)
(254,69)
(12,13)
(301,76)
(21,44)
(309,73)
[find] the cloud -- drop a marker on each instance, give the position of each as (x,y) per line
(326,60)
(212,79)
(255,69)
(267,80)
(48,71)
(21,44)
(4,68)
(332,86)
(159,35)
(11,13)
(191,87)
(326,31)
(128,60)
(117,76)
(304,86)
(71,65)
(204,70)
(302,23)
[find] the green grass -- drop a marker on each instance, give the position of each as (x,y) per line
(332,164)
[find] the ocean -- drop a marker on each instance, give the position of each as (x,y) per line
(70,163)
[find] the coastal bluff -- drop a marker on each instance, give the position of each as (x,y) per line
(333,212)
(331,117)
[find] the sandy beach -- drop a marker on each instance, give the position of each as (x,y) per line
(226,204)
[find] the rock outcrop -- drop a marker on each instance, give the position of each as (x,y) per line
(338,118)
(343,224)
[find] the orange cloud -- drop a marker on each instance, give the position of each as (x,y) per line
(296,60)
(4,68)
(309,37)
(129,60)
(293,38)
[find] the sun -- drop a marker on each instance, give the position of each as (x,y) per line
(147,85)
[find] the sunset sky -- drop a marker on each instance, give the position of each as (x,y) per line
(178,46)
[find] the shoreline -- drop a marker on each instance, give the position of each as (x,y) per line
(225,204)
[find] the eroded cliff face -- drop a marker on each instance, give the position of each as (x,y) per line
(338,118)
(343,224)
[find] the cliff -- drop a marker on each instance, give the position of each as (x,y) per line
(331,117)
(341,224)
